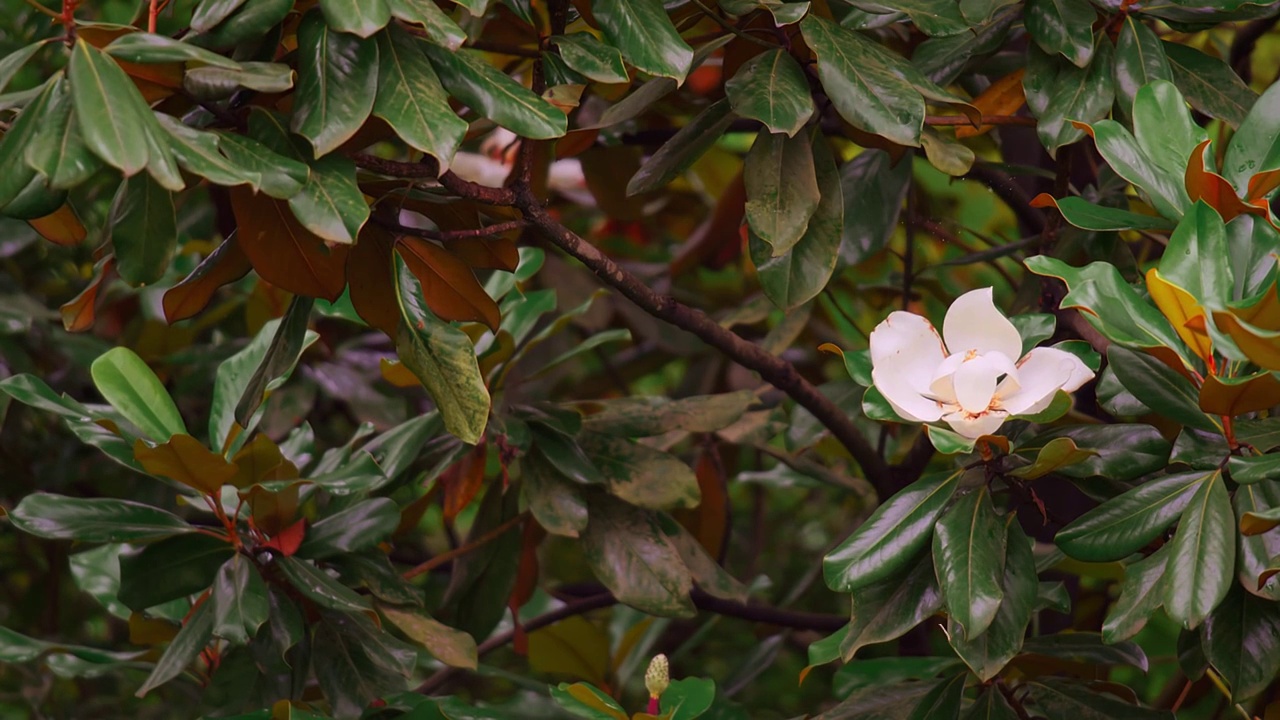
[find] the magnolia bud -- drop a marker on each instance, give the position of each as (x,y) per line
(658,676)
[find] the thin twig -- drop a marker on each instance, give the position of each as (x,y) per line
(35,5)
(450,235)
(776,371)
(461,550)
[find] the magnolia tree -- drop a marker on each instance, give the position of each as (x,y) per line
(515,359)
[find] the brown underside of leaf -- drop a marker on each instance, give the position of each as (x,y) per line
(370,278)
(224,265)
(283,252)
(448,285)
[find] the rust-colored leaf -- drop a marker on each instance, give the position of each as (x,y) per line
(1203,184)
(371,279)
(1004,97)
(184,459)
(224,265)
(286,542)
(496,253)
(1231,399)
(462,481)
(1262,184)
(448,285)
(272,510)
(283,252)
(60,227)
(260,460)
(709,522)
(527,569)
(79,313)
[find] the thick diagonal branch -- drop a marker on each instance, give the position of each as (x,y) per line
(776,371)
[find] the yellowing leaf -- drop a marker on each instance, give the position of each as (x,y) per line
(395,372)
(260,461)
(573,647)
(272,510)
(450,646)
(145,630)
(184,459)
(1260,346)
(1003,97)
(1183,311)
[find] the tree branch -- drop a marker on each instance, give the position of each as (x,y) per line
(450,235)
(461,550)
(778,372)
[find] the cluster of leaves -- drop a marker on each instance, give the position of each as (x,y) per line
(427,438)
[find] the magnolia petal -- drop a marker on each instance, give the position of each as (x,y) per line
(975,384)
(1042,373)
(903,397)
(943,385)
(905,350)
(975,426)
(974,323)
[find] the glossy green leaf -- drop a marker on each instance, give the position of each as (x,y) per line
(1140,60)
(1160,388)
(1209,84)
(1166,132)
(1118,451)
(587,54)
(868,92)
(143,47)
(287,344)
(782,189)
(58,151)
(1256,551)
(227,23)
(1241,639)
(483,88)
(483,580)
(411,99)
(1165,190)
(678,153)
(112,114)
(771,87)
(943,59)
(170,569)
(874,189)
(991,705)
(1066,699)
(12,63)
(968,556)
(1196,258)
(195,634)
(360,663)
(439,27)
(330,204)
(318,586)
(133,389)
(234,377)
(988,653)
(1253,148)
(943,701)
(627,550)
(645,35)
(895,534)
(58,517)
(887,702)
(1087,647)
(144,230)
(1203,555)
(1064,27)
(239,601)
(1112,305)
(1087,216)
(358,17)
(1077,94)
(337,83)
(444,360)
(352,529)
(1141,594)
(1127,523)
(197,153)
(217,83)
(796,276)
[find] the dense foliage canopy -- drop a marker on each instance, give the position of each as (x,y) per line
(416,359)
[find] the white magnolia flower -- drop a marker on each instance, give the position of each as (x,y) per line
(971,382)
